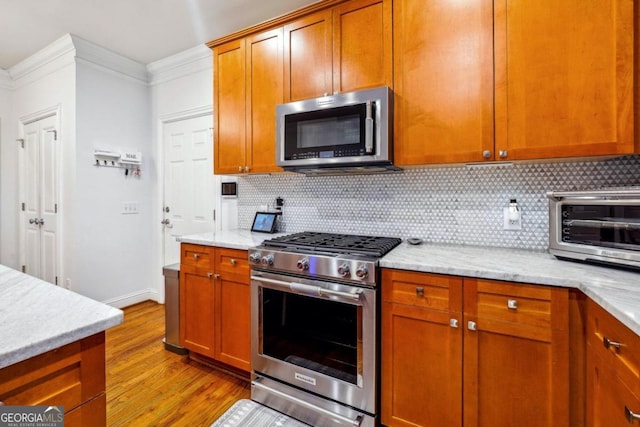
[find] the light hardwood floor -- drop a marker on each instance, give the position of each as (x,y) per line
(150,386)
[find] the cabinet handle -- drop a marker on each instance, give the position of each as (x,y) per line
(209,275)
(486,154)
(502,154)
(239,168)
(471,325)
(512,304)
(630,416)
(608,343)
(420,291)
(216,276)
(196,256)
(233,261)
(453,323)
(247,168)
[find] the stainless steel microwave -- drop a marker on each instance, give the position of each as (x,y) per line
(600,226)
(346,132)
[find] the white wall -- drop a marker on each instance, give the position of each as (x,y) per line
(5,94)
(113,252)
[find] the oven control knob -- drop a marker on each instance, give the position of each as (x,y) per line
(267,259)
(255,257)
(344,270)
(303,264)
(362,272)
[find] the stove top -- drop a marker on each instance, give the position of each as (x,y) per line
(344,244)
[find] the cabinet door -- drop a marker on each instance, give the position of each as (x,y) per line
(443,81)
(196,309)
(608,399)
(229,107)
(421,350)
(307,57)
(264,91)
(516,360)
(362,45)
(232,308)
(564,78)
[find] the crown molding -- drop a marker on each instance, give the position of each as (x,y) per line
(39,60)
(182,64)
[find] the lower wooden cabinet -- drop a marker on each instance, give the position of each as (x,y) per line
(472,352)
(72,376)
(215,304)
(613,371)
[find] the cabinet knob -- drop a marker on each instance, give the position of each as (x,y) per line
(420,291)
(196,256)
(453,323)
(608,343)
(247,168)
(233,261)
(239,168)
(486,154)
(629,415)
(471,325)
(216,276)
(502,154)
(512,304)
(209,275)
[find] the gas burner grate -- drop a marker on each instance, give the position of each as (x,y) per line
(336,243)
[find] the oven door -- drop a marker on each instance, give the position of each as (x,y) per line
(315,335)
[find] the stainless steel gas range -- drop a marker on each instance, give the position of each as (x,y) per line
(314,335)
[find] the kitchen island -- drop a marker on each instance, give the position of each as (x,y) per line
(52,347)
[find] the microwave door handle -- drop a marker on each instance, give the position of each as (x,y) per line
(368,128)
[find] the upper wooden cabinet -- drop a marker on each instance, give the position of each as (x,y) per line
(248,78)
(443,81)
(563,80)
(344,48)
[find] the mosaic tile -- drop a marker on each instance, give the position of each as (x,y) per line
(455,205)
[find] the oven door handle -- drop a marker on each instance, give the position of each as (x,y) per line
(301,288)
(310,406)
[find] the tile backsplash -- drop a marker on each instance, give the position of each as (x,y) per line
(455,205)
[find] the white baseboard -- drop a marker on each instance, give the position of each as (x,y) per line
(133,298)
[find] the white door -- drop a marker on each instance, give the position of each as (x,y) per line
(39,172)
(189,183)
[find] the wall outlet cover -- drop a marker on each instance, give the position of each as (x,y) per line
(510,224)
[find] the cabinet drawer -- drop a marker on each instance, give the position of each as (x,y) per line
(232,261)
(437,292)
(195,255)
(617,345)
(515,303)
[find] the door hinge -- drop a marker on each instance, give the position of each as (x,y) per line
(24,268)
(21,141)
(24,207)
(55,134)
(55,208)
(56,280)
(214,214)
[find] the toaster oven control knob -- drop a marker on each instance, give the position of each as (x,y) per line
(303,264)
(344,270)
(255,257)
(362,272)
(267,259)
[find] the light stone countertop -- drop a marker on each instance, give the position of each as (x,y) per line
(616,290)
(233,239)
(36,316)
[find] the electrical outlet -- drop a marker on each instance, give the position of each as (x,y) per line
(129,208)
(512,224)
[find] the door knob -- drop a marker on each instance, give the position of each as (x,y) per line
(165,221)
(166,209)
(32,221)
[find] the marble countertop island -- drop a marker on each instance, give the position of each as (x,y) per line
(616,290)
(36,316)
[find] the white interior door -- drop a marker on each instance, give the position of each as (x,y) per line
(40,195)
(189,183)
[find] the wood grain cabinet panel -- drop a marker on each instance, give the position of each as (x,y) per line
(613,377)
(421,351)
(72,376)
(564,78)
(215,305)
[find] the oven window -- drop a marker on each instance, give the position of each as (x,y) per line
(602,225)
(324,336)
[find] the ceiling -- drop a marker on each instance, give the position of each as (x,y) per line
(142,30)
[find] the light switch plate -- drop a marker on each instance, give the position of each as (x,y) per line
(129,208)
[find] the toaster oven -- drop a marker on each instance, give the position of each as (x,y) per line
(601,226)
